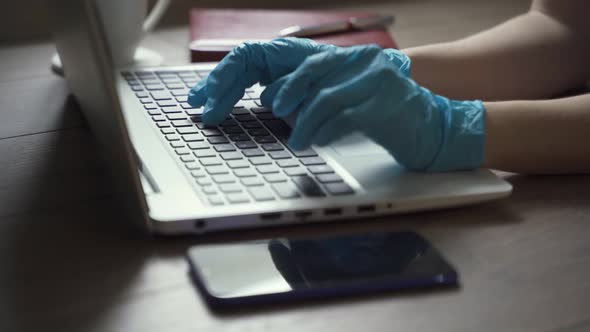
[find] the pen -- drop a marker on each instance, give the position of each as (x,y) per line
(351,24)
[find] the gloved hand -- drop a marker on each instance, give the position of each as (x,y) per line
(336,91)
(262,63)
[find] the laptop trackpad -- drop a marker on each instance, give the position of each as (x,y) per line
(356,145)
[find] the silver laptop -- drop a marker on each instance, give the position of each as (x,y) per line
(177,176)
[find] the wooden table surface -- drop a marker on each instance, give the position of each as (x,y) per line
(66,263)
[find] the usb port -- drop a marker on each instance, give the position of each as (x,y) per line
(333,211)
(302,214)
(270,216)
(366,208)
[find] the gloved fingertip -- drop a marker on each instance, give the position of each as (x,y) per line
(196,98)
(212,115)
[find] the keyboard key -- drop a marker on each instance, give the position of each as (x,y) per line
(244,117)
(253,153)
(339,188)
(240,111)
(167,131)
(265,139)
(192,137)
(244,172)
(175,86)
(305,153)
(230,188)
(295,171)
(264,160)
(187,130)
(224,147)
(172,137)
(164,103)
(182,151)
(213,170)
(239,137)
(154,112)
(272,147)
(186,106)
(230,155)
(160,95)
(171,109)
(176,144)
(158,118)
(288,163)
(177,93)
(199,173)
(312,161)
(194,111)
(150,106)
(163,124)
(252,181)
(275,177)
(258,132)
(176,116)
(233,130)
(260,110)
(211,132)
(142,94)
(146,101)
(285,190)
(181,123)
(217,140)
(181,99)
(223,178)
(193,165)
(204,153)
(209,190)
(328,178)
(308,186)
(251,125)
(187,158)
(154,87)
(236,198)
(215,200)
(261,194)
(238,164)
(266,169)
(214,161)
(204,181)
(246,145)
(279,154)
(279,128)
(320,169)
(198,145)
(228,123)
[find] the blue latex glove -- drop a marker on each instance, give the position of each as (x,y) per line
(262,63)
(336,91)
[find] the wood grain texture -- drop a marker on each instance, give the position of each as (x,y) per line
(67,265)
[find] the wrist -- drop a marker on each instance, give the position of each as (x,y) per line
(463,135)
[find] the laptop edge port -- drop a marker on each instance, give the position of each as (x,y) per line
(366,208)
(270,216)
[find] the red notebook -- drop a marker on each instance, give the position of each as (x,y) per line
(230,24)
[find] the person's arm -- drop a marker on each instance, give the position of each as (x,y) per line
(539,137)
(536,55)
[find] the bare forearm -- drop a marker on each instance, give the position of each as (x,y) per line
(529,57)
(534,137)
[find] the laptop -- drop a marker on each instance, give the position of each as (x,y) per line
(177,176)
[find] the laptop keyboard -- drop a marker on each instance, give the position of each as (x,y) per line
(242,160)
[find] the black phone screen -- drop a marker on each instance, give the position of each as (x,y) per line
(290,268)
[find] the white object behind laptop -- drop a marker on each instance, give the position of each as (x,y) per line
(125,25)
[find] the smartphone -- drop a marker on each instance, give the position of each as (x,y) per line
(286,269)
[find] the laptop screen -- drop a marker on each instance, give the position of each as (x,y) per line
(85,55)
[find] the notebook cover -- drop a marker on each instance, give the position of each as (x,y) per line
(206,24)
